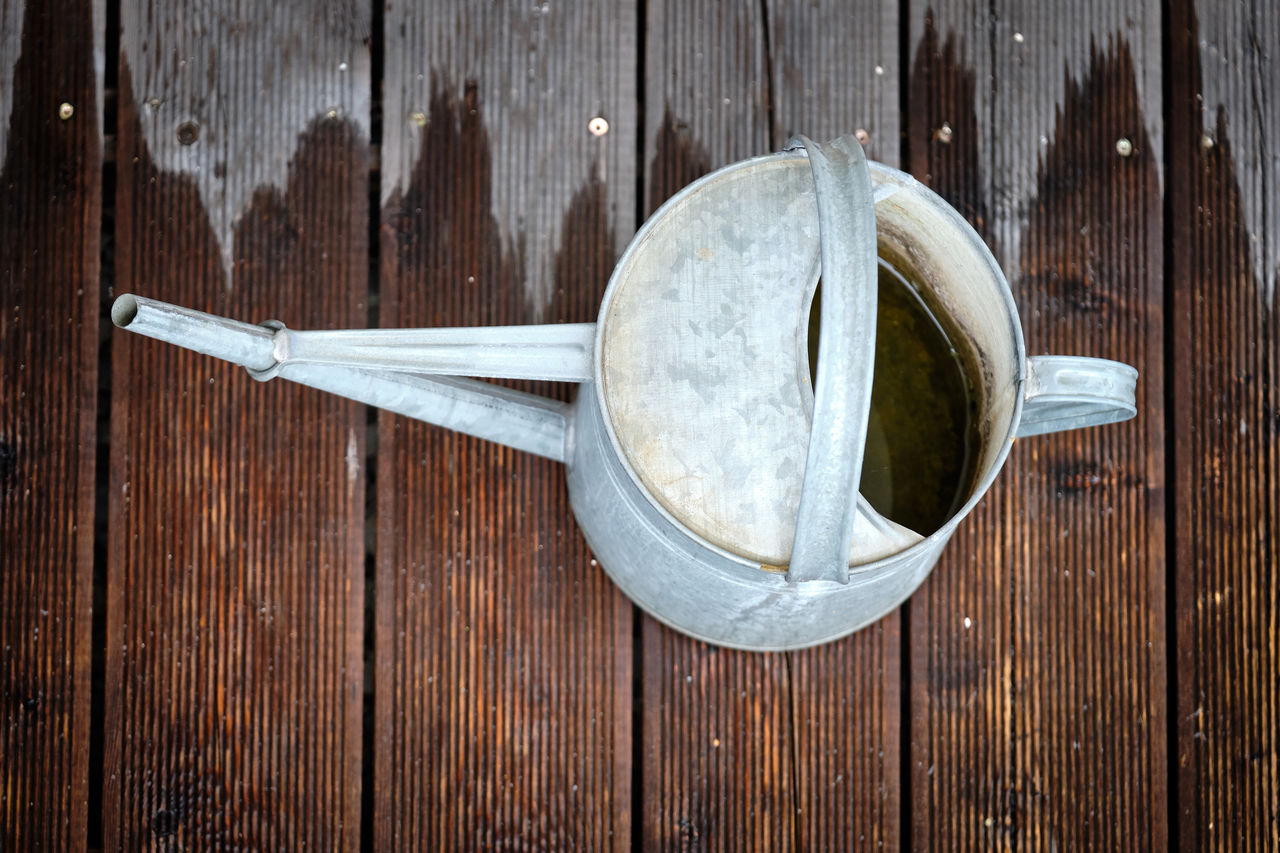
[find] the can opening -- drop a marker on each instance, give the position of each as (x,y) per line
(922,437)
(124,310)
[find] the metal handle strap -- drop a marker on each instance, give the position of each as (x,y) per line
(846,355)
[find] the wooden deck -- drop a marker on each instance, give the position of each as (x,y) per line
(243,616)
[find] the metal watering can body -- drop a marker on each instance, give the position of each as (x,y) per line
(717,485)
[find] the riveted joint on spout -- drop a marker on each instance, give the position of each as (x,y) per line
(281,348)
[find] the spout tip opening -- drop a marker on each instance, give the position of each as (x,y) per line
(124,310)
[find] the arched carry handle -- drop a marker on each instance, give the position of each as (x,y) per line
(1068,392)
(830,505)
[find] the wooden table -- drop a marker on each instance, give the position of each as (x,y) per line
(260,617)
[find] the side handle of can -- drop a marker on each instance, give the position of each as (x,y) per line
(1069,392)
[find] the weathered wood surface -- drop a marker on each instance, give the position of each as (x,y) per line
(835,69)
(718,767)
(514,697)
(234,666)
(50,202)
(504,656)
(1037,647)
(788,750)
(1224,193)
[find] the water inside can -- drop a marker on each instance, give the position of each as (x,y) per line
(922,435)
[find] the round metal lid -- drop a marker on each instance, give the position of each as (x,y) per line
(704,360)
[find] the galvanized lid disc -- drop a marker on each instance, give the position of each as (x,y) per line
(704,354)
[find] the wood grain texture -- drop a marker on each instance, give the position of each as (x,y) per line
(1037,646)
(797,750)
(718,767)
(506,665)
(50,216)
(835,70)
(1224,205)
(504,656)
(249,109)
(236,583)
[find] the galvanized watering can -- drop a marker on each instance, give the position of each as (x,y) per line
(715,482)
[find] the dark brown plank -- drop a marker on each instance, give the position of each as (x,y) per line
(718,770)
(1224,204)
(504,654)
(1037,646)
(771,750)
(236,592)
(836,70)
(50,220)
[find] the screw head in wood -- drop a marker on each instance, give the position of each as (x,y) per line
(862,136)
(188,133)
(1124,147)
(66,111)
(419,118)
(598,126)
(1206,142)
(944,134)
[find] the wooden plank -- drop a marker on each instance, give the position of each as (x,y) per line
(236,582)
(50,220)
(1037,646)
(504,675)
(835,69)
(1224,205)
(818,729)
(718,768)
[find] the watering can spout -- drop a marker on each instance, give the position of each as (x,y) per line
(418,373)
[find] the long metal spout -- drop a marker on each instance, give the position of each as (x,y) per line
(519,420)
(559,353)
